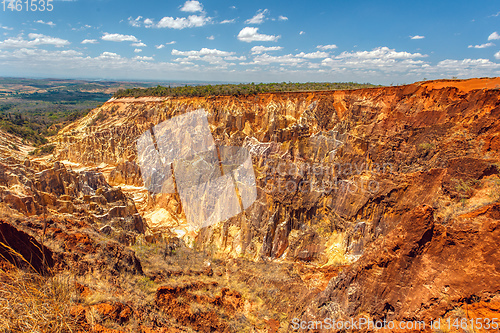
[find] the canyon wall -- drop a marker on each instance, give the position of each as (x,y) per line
(335,170)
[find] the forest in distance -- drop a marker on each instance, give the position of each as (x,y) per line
(238,89)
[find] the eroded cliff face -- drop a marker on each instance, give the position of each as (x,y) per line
(335,170)
(396,187)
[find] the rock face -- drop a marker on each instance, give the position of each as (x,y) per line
(35,189)
(335,170)
(24,250)
(419,270)
(399,186)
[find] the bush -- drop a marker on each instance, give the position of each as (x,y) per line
(48,149)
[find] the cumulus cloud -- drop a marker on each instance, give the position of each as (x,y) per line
(282,18)
(192,6)
(139,44)
(481,46)
(35,40)
(417,37)
(50,23)
(182,22)
(119,38)
(202,52)
(497,55)
(326,47)
(494,36)
(148,23)
(261,49)
(135,22)
(163,45)
(462,67)
(109,56)
(143,58)
(214,57)
(227,21)
(302,32)
(89,41)
(265,59)
(313,55)
(211,37)
(384,53)
(107,64)
(137,50)
(250,34)
(379,61)
(259,17)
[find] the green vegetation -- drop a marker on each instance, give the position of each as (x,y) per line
(34,109)
(33,121)
(65,96)
(44,150)
(237,89)
(427,146)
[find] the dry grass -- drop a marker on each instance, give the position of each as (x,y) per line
(33,303)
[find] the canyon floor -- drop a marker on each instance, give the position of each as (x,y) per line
(377,204)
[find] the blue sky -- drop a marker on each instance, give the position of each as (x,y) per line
(254,41)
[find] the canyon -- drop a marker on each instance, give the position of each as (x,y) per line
(379,203)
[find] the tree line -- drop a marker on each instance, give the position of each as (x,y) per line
(237,89)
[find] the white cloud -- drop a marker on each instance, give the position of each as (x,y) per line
(36,39)
(314,55)
(258,18)
(89,41)
(232,58)
(261,49)
(50,23)
(143,58)
(139,44)
(183,22)
(497,55)
(289,59)
(378,62)
(228,21)
(107,64)
(383,53)
(481,46)
(119,38)
(467,65)
(109,56)
(192,6)
(282,18)
(211,37)
(202,52)
(326,47)
(417,37)
(83,27)
(137,50)
(6,28)
(214,57)
(494,36)
(301,33)
(135,22)
(148,23)
(163,45)
(250,34)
